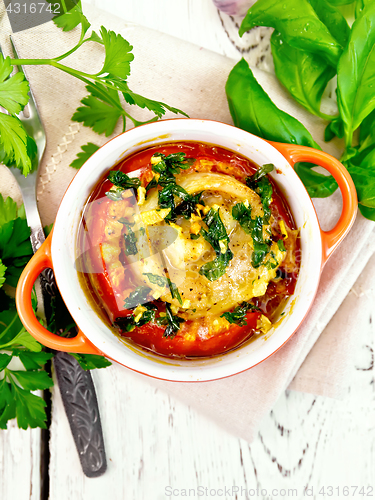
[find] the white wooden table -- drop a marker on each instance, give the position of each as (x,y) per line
(157,447)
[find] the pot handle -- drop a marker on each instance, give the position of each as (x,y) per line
(40,261)
(332,238)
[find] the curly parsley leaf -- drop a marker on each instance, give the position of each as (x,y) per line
(72,17)
(15,248)
(9,210)
(219,240)
(238,315)
(13,90)
(21,403)
(118,54)
(15,397)
(14,143)
(157,107)
(87,151)
(101,109)
(33,360)
(13,334)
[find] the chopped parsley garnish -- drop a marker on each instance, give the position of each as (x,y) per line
(272,263)
(152,184)
(129,238)
(173,322)
(114,194)
(128,323)
(254,227)
(121,180)
(188,206)
(262,186)
(219,240)
(167,168)
(238,315)
(170,165)
(163,281)
(261,172)
(139,296)
(166,198)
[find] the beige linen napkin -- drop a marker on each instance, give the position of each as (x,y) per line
(193,79)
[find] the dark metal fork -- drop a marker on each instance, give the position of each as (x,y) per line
(76,385)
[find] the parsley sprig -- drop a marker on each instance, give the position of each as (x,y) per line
(16,344)
(100,110)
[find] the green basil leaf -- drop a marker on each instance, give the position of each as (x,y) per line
(356,73)
(367,132)
(363,175)
(249,105)
(298,24)
(333,19)
(367,212)
(340,2)
(303,74)
(317,185)
(334,129)
(359,6)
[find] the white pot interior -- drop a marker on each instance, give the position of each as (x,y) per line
(67,224)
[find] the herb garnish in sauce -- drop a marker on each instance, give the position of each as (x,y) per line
(173,322)
(238,315)
(164,282)
(219,240)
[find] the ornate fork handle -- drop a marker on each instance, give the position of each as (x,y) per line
(87,434)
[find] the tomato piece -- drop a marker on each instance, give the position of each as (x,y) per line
(151,337)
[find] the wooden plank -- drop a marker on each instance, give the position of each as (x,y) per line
(19,463)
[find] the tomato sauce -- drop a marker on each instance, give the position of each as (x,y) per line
(193,338)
